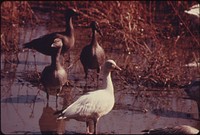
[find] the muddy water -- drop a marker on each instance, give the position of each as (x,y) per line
(24,108)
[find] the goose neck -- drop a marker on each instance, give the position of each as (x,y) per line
(69,27)
(107,82)
(55,60)
(94,38)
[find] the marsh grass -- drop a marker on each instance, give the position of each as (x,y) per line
(154,32)
(13,16)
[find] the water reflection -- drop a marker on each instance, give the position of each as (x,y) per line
(47,122)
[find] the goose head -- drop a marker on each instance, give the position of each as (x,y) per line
(95,26)
(71,12)
(110,65)
(57,43)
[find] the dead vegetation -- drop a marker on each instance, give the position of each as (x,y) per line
(13,16)
(152,31)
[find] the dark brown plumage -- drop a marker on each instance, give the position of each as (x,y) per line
(54,76)
(93,55)
(43,44)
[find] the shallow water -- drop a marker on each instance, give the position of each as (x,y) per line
(24,108)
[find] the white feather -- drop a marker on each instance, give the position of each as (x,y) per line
(93,103)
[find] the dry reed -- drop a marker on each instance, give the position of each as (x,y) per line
(149,30)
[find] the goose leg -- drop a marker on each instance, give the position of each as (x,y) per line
(57,94)
(198,103)
(86,72)
(98,71)
(95,126)
(86,75)
(88,127)
(35,63)
(56,100)
(47,94)
(59,91)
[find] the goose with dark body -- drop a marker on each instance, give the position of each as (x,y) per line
(43,44)
(54,76)
(93,55)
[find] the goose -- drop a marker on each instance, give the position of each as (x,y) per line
(54,76)
(93,105)
(193,64)
(194,10)
(193,14)
(182,129)
(93,56)
(193,91)
(43,44)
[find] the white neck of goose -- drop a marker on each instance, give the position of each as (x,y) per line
(69,27)
(94,38)
(107,82)
(55,59)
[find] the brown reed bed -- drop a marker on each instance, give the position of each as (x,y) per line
(13,16)
(153,31)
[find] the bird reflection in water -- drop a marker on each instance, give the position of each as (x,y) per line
(48,123)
